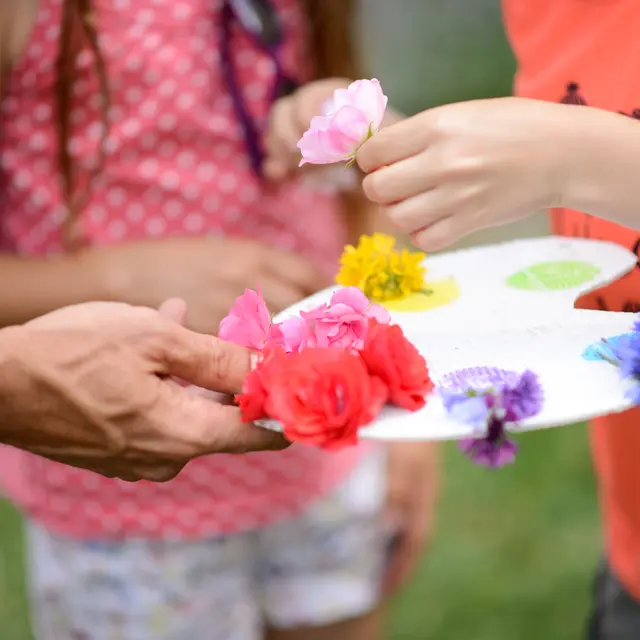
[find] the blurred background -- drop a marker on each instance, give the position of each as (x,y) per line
(515,548)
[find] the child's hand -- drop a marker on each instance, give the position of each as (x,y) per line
(453,170)
(289,119)
(412,491)
(207,273)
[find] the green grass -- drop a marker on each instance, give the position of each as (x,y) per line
(513,558)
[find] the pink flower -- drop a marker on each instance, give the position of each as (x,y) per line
(295,334)
(343,323)
(351,118)
(249,323)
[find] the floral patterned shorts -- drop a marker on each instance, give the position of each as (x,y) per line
(317,569)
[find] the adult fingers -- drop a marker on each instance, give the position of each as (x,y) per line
(399,181)
(296,271)
(213,427)
(201,360)
(394,143)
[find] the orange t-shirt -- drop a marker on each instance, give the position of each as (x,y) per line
(587,52)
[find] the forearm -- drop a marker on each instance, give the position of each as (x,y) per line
(602,162)
(31,287)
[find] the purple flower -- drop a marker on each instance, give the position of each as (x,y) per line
(523,400)
(470,409)
(495,450)
(513,397)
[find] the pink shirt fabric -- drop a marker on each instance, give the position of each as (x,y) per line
(176,166)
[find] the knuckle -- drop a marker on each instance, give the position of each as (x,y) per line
(220,360)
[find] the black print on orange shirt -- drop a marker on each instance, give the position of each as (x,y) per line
(573,95)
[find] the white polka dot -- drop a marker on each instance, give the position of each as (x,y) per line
(169,180)
(151,41)
(133,63)
(265,68)
(146,15)
(117,229)
(228,182)
(205,171)
(167,122)
(148,169)
(181,11)
(22,179)
(116,196)
(155,226)
(182,65)
(148,109)
(131,128)
(167,87)
(133,95)
(185,159)
(191,191)
(135,212)
(93,508)
(232,214)
(173,209)
(186,101)
(112,523)
(194,222)
(211,203)
(97,214)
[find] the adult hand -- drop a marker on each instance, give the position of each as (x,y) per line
(453,170)
(93,386)
(412,490)
(207,273)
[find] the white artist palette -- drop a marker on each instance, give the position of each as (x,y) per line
(514,311)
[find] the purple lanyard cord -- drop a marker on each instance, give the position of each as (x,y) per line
(259,19)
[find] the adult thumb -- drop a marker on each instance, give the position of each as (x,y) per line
(202,360)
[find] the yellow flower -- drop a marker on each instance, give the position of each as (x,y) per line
(380,270)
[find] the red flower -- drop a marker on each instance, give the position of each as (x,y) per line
(323,397)
(252,400)
(392,358)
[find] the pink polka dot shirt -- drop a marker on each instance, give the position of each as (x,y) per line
(176,166)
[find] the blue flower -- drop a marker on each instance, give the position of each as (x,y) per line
(627,355)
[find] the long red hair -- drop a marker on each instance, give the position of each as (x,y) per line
(332,49)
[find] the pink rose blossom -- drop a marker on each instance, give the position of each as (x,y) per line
(349,120)
(249,323)
(343,323)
